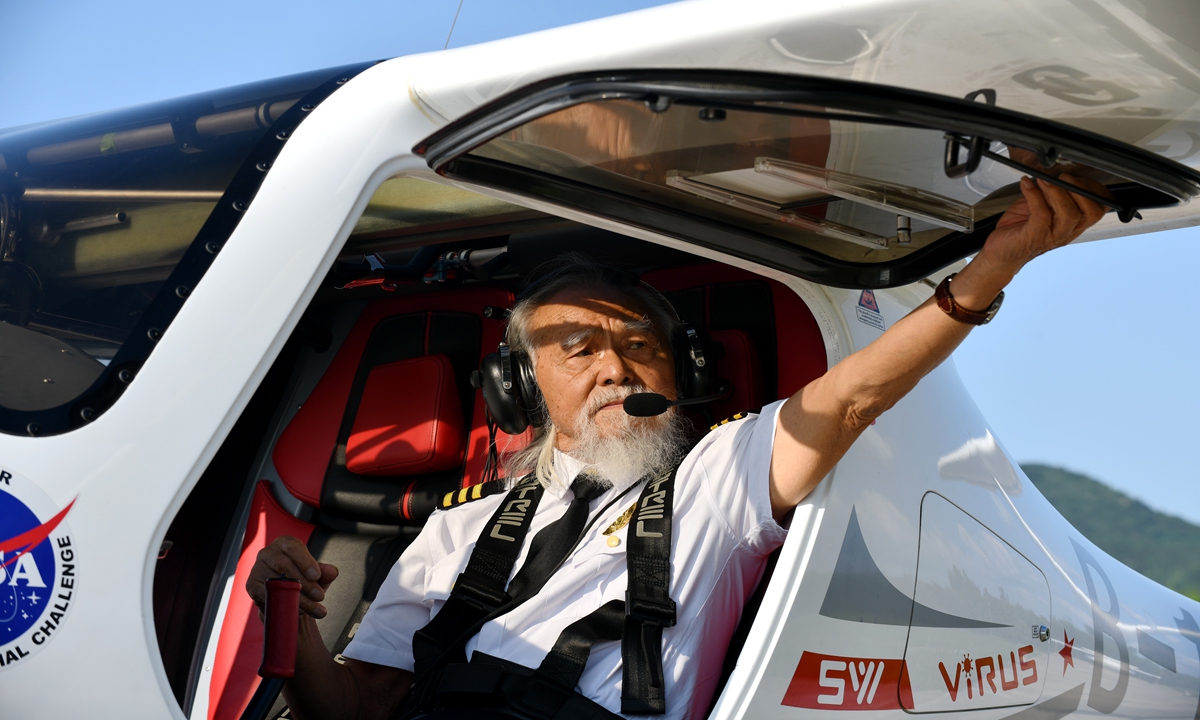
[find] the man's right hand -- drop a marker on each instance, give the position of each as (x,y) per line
(288,556)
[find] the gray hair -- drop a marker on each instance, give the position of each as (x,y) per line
(572,270)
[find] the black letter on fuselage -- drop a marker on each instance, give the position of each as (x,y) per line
(1104,623)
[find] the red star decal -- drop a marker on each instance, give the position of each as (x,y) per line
(1068,645)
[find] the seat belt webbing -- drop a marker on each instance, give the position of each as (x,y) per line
(480,588)
(565,662)
(648,604)
(638,621)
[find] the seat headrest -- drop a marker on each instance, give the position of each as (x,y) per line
(409,420)
(741,367)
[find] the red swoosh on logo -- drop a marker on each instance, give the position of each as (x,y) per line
(30,539)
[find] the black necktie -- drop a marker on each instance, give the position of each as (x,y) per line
(552,543)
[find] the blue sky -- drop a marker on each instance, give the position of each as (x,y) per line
(1089,365)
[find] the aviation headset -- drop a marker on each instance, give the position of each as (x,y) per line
(507,377)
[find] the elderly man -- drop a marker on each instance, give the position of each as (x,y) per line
(592,343)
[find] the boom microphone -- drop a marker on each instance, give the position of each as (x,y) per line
(649,404)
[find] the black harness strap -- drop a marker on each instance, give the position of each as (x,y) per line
(548,693)
(648,604)
(565,662)
(638,621)
(480,588)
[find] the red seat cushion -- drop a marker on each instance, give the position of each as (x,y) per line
(304,450)
(409,420)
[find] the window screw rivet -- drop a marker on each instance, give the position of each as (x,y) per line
(154,334)
(283,134)
(307,108)
(263,166)
(212,246)
(343,81)
(182,291)
(125,376)
(239,205)
(33,429)
(88,414)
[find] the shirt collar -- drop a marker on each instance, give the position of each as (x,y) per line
(566,468)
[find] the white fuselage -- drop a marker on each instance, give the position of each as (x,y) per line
(953,522)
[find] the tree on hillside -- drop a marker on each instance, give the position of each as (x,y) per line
(1161,547)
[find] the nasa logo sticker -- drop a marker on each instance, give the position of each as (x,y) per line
(38,568)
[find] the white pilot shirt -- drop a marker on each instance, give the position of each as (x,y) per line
(723,533)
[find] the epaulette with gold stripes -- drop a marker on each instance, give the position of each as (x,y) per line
(728,420)
(454,498)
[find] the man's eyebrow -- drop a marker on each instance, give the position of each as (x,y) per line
(577,338)
(644,325)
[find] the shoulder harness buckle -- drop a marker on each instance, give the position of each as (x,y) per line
(477,594)
(643,609)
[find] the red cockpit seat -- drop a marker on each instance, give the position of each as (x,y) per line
(391,426)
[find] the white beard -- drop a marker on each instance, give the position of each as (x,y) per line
(631,450)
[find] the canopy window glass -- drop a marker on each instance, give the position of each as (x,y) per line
(101,240)
(853,189)
(839,182)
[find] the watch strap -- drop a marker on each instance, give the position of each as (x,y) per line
(945,301)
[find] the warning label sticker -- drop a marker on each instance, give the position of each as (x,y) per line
(868,310)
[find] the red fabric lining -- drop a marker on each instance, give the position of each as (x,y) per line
(409,420)
(798,341)
(239,646)
(303,451)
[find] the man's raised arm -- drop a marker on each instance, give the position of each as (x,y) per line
(819,423)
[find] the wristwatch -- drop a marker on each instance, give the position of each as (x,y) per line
(971,317)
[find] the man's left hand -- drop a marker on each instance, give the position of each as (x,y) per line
(1046,217)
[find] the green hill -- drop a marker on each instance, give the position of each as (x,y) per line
(1159,546)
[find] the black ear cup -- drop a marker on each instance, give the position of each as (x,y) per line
(696,357)
(501,403)
(528,392)
(510,390)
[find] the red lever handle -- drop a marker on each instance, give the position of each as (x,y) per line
(281,618)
